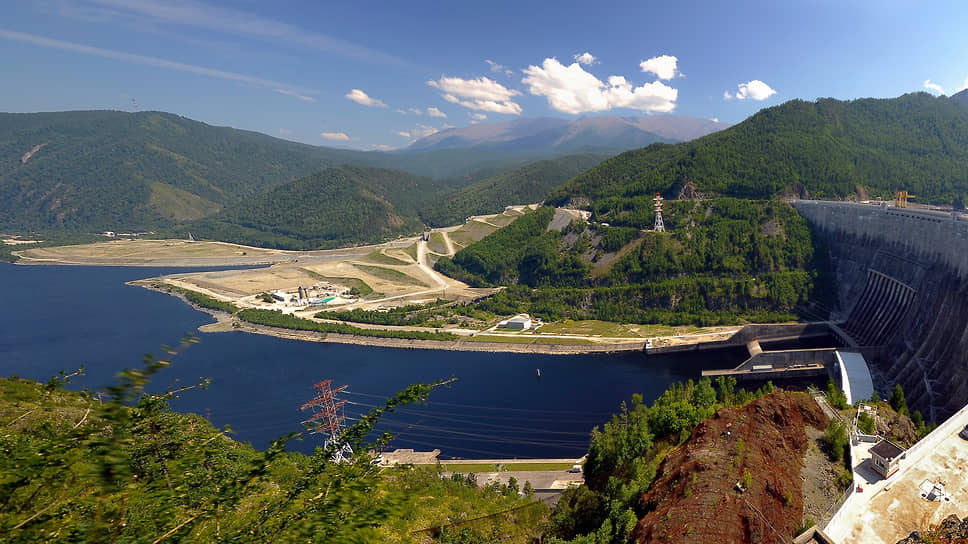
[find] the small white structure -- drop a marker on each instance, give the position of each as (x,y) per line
(519,322)
(886,456)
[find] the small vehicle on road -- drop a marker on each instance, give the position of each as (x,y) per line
(964,433)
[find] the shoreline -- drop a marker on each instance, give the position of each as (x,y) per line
(225,323)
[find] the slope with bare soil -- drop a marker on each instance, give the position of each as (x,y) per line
(698,498)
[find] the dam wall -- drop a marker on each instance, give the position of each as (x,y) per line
(903,296)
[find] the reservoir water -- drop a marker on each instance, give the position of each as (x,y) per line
(58,318)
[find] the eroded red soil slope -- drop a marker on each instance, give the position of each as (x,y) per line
(695,498)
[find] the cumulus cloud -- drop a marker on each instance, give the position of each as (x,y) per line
(727,96)
(586,58)
(477,116)
(933,86)
(403,133)
(495,67)
(963,86)
(434,112)
(570,89)
(664,66)
(715,119)
(360,97)
(338,136)
(480,94)
(753,90)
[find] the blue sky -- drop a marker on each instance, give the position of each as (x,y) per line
(377,75)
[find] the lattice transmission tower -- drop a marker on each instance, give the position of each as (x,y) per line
(659,225)
(328,417)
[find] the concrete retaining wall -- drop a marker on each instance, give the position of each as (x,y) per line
(936,236)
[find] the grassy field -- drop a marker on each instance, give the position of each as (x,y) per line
(471,231)
(436,243)
(607,329)
(501,220)
(379,257)
(530,339)
(390,274)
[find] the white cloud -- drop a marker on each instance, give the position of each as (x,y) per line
(382,147)
(495,67)
(285,132)
(754,90)
(226,21)
(360,97)
(276,86)
(288,92)
(933,86)
(477,116)
(339,136)
(963,86)
(422,131)
(715,119)
(570,89)
(727,96)
(480,94)
(434,112)
(402,112)
(586,58)
(663,66)
(403,133)
(416,111)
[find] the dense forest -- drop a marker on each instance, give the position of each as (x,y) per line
(325,209)
(825,149)
(721,261)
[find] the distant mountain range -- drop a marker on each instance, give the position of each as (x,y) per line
(548,135)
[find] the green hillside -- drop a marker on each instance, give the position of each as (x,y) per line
(346,204)
(722,261)
(113,468)
(525,185)
(109,170)
(825,149)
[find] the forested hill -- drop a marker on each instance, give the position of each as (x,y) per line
(827,149)
(326,209)
(115,170)
(525,185)
(111,170)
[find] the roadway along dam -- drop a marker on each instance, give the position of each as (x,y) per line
(903,296)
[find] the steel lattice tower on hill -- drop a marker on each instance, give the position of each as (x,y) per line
(659,225)
(328,417)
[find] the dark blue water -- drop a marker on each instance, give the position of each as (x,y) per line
(58,318)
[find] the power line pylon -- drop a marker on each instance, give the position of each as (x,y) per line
(659,225)
(328,417)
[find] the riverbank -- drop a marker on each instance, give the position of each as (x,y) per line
(225,322)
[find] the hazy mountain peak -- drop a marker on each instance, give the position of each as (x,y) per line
(586,132)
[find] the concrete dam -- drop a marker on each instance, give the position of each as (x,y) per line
(903,296)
